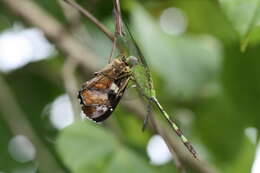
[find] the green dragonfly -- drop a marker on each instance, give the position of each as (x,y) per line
(140,71)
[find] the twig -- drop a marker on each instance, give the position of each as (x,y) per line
(18,124)
(35,16)
(118,18)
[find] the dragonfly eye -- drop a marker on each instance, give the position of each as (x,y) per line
(132,60)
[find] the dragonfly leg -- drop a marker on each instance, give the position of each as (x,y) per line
(123,86)
(149,106)
(146,119)
(113,50)
(127,75)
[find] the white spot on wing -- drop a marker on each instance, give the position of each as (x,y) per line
(114,87)
(100,110)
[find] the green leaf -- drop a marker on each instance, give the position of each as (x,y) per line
(244,162)
(240,79)
(220,128)
(188,61)
(125,160)
(206,17)
(243,16)
(87,147)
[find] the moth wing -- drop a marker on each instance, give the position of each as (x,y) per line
(114,99)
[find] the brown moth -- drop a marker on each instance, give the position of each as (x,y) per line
(100,95)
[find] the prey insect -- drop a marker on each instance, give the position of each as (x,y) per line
(100,95)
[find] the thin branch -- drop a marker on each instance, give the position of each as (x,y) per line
(118,18)
(35,16)
(18,124)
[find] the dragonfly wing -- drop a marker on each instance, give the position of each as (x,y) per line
(140,70)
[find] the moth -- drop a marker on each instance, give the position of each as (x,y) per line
(100,95)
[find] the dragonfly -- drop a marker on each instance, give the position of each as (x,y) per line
(100,95)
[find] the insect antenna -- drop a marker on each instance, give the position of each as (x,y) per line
(175,127)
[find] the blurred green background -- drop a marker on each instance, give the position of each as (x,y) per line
(205,60)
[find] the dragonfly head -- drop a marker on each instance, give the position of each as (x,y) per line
(132,61)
